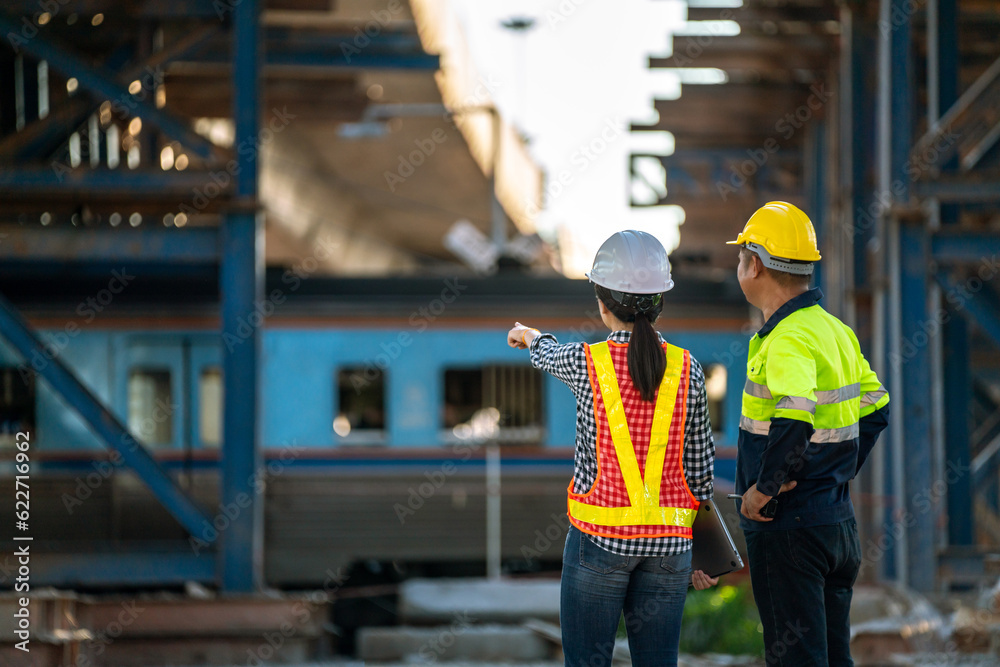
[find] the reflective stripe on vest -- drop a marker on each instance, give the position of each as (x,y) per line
(643,490)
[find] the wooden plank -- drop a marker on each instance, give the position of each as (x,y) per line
(185,617)
(748,52)
(751,13)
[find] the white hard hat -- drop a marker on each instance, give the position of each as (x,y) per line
(632,262)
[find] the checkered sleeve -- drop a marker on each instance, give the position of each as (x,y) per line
(567,362)
(699,447)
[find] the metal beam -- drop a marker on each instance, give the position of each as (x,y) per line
(174,246)
(968,129)
(102,421)
(964,246)
(965,187)
(102,85)
(94,184)
(973,307)
(121,569)
(41,136)
(957,398)
(300,48)
(914,373)
(241,552)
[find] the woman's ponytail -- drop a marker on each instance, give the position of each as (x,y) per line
(646,360)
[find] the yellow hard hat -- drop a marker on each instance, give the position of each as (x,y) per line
(782,236)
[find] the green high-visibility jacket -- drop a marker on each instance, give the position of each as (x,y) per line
(812,409)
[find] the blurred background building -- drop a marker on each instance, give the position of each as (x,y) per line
(258,258)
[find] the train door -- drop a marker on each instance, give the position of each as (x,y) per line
(169,390)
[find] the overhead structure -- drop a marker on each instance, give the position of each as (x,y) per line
(203,141)
(879,120)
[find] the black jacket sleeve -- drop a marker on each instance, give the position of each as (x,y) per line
(787,443)
(871,426)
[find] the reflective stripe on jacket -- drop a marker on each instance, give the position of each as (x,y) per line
(640,490)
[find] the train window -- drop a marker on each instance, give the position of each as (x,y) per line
(150,406)
(715,387)
(17,404)
(210,408)
(499,400)
(360,413)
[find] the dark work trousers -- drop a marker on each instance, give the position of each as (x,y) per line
(802,583)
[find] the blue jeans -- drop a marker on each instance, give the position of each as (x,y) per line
(597,586)
(803,582)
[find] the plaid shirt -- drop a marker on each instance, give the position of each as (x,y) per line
(569,363)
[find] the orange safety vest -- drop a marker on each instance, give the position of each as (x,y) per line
(624,502)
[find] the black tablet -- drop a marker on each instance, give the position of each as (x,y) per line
(713,550)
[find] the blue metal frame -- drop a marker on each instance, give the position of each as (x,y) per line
(957,398)
(242,276)
(950,246)
(176,246)
(122,569)
(103,85)
(101,420)
(915,358)
(918,474)
(984,314)
(962,188)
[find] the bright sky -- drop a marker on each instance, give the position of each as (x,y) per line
(579,77)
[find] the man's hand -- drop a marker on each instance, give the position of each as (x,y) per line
(754,501)
(521,336)
(701,581)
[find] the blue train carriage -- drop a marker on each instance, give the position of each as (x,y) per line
(376,398)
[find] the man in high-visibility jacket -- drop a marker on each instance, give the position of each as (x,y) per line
(812,411)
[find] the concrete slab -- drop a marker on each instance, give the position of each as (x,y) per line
(458,641)
(424,601)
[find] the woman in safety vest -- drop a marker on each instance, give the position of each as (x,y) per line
(644,460)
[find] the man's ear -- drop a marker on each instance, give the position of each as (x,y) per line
(602,308)
(758,265)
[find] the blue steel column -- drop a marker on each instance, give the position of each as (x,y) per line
(957,398)
(957,374)
(912,351)
(915,388)
(816,188)
(242,271)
